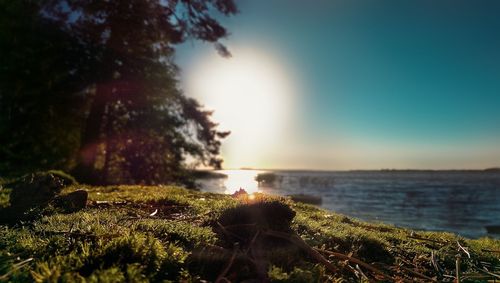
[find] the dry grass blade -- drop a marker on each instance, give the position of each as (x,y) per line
(418,274)
(252,242)
(465,250)
(154,213)
(14,268)
(222,275)
(457,268)
(362,273)
(228,233)
(435,264)
(490,273)
(426,239)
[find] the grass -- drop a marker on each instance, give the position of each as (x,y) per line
(166,233)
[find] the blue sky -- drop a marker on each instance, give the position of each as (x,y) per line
(386,84)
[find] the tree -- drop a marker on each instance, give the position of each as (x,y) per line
(40,90)
(136,125)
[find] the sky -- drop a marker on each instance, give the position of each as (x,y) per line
(339,85)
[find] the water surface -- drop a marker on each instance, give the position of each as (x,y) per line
(462,202)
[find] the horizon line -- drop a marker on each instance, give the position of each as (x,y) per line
(494,168)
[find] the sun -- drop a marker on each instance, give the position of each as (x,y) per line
(251,95)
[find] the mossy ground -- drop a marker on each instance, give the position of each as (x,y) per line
(164,233)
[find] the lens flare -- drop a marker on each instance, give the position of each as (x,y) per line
(252,96)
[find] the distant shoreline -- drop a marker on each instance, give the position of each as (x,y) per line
(493,169)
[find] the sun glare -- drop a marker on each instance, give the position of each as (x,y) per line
(241,179)
(251,95)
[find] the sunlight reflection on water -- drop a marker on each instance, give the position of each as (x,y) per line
(236,179)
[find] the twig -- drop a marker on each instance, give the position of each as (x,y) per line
(258,258)
(486,264)
(490,273)
(463,249)
(435,263)
(358,274)
(457,268)
(361,272)
(228,233)
(222,275)
(418,274)
(426,239)
(353,270)
(407,262)
(295,239)
(357,261)
(252,241)
(449,276)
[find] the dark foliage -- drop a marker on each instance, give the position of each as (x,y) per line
(90,86)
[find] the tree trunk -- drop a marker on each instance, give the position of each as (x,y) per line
(91,140)
(86,170)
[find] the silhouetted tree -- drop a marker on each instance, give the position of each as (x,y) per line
(41,84)
(104,69)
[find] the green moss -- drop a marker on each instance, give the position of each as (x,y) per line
(185,234)
(124,240)
(315,273)
(4,197)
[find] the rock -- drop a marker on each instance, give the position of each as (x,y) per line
(72,202)
(32,194)
(36,189)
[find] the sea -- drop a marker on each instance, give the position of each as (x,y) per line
(462,202)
